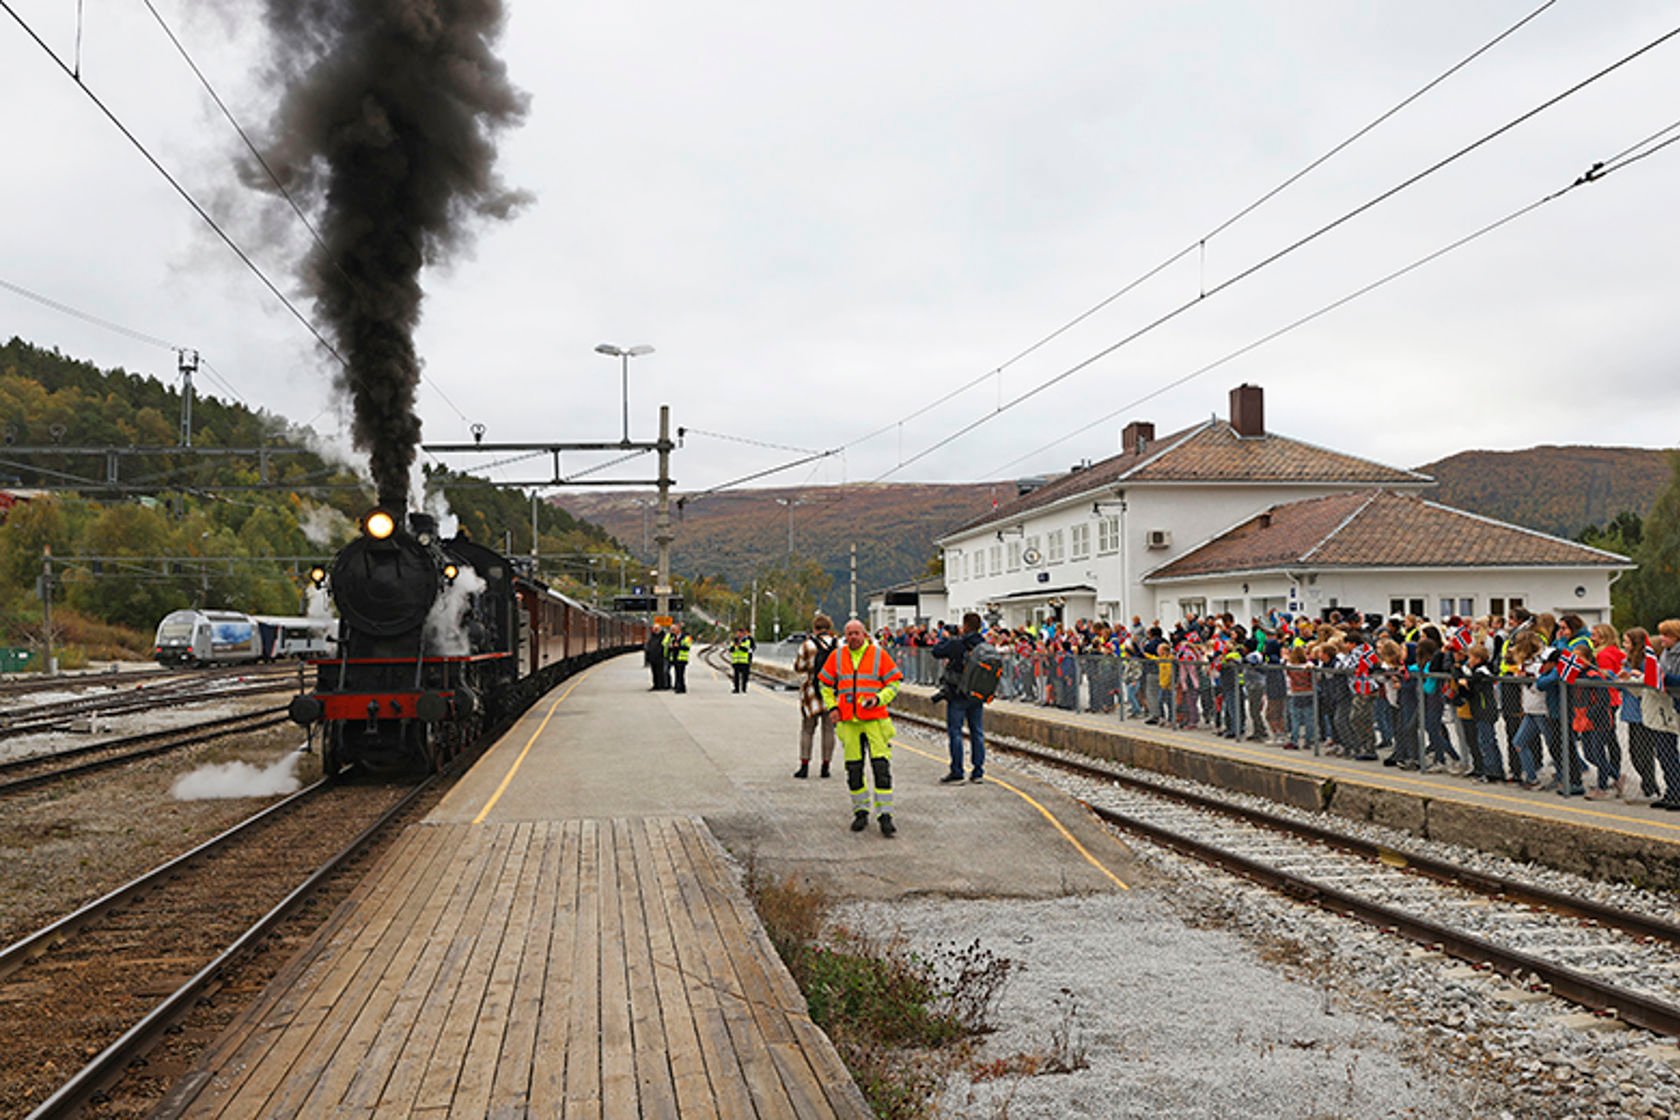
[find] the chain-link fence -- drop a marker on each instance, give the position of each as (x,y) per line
(1590,734)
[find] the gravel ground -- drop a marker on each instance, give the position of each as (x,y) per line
(1212,997)
(1169,1020)
(62,846)
(160,718)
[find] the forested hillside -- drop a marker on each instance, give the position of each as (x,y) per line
(1560,490)
(188,534)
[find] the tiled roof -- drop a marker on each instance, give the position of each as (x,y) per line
(1217,453)
(1208,452)
(1378,529)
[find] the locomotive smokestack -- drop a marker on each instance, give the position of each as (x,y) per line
(386,125)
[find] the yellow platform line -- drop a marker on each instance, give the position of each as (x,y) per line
(1046,813)
(514,769)
(1024,796)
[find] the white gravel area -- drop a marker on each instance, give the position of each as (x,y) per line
(161,718)
(1213,997)
(1171,1020)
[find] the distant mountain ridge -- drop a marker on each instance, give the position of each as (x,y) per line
(1558,490)
(737,533)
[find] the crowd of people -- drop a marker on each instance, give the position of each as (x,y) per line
(1543,700)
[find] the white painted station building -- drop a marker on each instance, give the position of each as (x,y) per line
(1227,516)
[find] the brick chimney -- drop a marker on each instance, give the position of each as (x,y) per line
(1248,410)
(1136,436)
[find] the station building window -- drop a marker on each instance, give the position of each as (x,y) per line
(1108,534)
(1461,605)
(1058,549)
(1080,538)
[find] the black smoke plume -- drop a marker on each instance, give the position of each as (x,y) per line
(386,128)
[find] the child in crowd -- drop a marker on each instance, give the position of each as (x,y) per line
(1303,731)
(1478,706)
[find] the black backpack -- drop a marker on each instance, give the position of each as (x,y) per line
(982,670)
(824,648)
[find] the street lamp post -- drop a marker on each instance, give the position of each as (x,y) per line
(624,355)
(775,614)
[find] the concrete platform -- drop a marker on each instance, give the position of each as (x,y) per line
(604,746)
(1601,839)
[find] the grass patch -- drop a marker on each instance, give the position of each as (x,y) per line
(80,640)
(902,1022)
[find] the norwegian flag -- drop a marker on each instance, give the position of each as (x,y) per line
(1364,660)
(1459,639)
(1571,666)
(1652,669)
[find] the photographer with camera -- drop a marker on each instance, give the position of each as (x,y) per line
(961,707)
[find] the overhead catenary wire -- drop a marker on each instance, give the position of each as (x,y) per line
(743,439)
(88,317)
(174,183)
(274,178)
(234,123)
(1280,254)
(74,73)
(1598,171)
(118,328)
(1199,245)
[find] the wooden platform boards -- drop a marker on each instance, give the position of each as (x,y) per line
(543,969)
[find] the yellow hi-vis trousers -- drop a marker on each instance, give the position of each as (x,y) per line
(870,739)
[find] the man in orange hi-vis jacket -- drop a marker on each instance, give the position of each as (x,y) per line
(858,681)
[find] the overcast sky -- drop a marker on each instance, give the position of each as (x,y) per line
(824,217)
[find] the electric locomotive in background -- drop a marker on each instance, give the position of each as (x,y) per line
(439,639)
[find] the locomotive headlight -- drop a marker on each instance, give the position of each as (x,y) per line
(318,576)
(450,571)
(379,525)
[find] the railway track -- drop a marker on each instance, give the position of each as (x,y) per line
(91,982)
(64,714)
(37,682)
(35,771)
(1616,962)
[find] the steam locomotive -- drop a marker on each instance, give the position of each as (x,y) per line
(438,640)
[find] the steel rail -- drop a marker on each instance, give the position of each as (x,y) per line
(14,955)
(194,735)
(111,1062)
(131,704)
(1631,1007)
(1443,870)
(12,764)
(120,688)
(22,684)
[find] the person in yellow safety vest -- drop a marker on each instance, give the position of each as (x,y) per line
(676,653)
(858,681)
(740,657)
